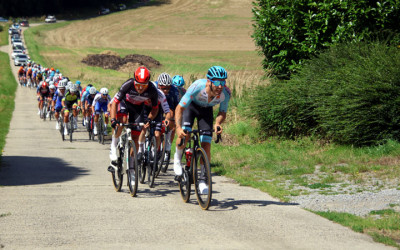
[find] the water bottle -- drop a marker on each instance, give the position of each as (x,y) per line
(188,153)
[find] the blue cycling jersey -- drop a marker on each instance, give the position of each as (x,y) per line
(197,93)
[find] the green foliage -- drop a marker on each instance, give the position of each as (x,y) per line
(289,31)
(349,94)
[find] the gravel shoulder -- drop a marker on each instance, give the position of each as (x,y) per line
(56,194)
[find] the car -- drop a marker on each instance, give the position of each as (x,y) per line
(50,19)
(104,11)
(2,19)
(121,6)
(16,52)
(15,36)
(24,23)
(21,59)
(17,43)
(13,31)
(19,47)
(16,26)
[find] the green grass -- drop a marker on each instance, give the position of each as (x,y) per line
(4,34)
(8,86)
(384,229)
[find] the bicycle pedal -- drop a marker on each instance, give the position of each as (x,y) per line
(110,169)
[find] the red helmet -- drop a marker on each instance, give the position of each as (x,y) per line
(45,85)
(142,75)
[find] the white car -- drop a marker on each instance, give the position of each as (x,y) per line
(50,19)
(16,52)
(21,59)
(104,11)
(15,44)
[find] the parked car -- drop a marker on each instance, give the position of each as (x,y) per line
(16,41)
(19,47)
(24,23)
(16,52)
(21,59)
(15,36)
(104,11)
(121,6)
(13,31)
(2,19)
(50,19)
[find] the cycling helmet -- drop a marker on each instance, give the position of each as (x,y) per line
(57,71)
(92,91)
(47,80)
(73,88)
(78,82)
(104,91)
(51,83)
(52,69)
(164,79)
(69,84)
(217,72)
(89,85)
(45,84)
(142,75)
(178,81)
(52,87)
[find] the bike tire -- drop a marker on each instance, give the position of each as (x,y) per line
(152,161)
(62,130)
(185,186)
(118,177)
(71,127)
(161,159)
(132,171)
(166,162)
(100,130)
(142,170)
(204,200)
(44,112)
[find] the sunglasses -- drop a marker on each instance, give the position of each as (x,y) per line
(218,82)
(140,84)
(165,88)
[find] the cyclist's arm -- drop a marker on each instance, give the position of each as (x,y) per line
(113,110)
(178,121)
(219,120)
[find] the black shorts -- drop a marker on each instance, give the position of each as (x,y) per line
(136,114)
(204,117)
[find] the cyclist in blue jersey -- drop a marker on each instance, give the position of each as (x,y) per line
(179,82)
(85,94)
(198,101)
(100,103)
(57,100)
(89,102)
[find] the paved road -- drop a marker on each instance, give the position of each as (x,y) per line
(56,194)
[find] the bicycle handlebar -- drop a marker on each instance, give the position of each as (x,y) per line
(219,138)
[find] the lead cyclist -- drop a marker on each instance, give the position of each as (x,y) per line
(198,103)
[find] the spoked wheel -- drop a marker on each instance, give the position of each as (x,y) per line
(117,176)
(71,127)
(62,130)
(161,156)
(131,166)
(152,161)
(184,186)
(202,177)
(167,156)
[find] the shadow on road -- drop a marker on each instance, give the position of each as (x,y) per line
(28,170)
(232,204)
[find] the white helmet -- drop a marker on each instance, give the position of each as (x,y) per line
(73,87)
(164,79)
(51,83)
(92,90)
(104,91)
(52,87)
(47,80)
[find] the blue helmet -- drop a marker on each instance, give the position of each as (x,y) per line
(217,72)
(57,71)
(178,81)
(78,82)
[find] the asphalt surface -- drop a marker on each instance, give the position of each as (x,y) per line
(56,194)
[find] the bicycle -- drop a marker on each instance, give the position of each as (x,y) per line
(101,128)
(89,127)
(61,122)
(165,156)
(193,172)
(43,111)
(127,157)
(148,163)
(71,118)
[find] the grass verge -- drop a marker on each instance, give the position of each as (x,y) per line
(8,86)
(383,228)
(4,34)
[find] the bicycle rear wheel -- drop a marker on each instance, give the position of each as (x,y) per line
(185,186)
(130,162)
(152,161)
(62,129)
(44,111)
(100,130)
(117,177)
(71,127)
(202,174)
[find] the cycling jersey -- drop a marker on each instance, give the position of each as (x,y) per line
(130,95)
(100,103)
(181,91)
(197,94)
(172,97)
(43,91)
(70,100)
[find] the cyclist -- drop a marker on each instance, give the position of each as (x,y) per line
(21,73)
(79,87)
(89,101)
(85,93)
(100,103)
(171,93)
(43,92)
(198,103)
(57,100)
(71,101)
(134,92)
(179,82)
(51,96)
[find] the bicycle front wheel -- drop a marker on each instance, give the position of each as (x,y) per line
(161,155)
(202,178)
(62,130)
(152,161)
(117,177)
(131,165)
(71,127)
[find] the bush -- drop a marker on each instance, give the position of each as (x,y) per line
(288,31)
(349,94)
